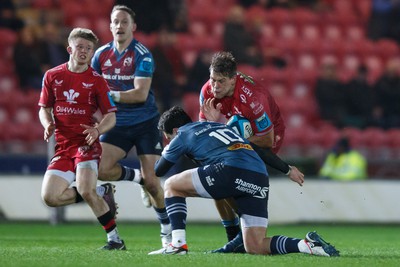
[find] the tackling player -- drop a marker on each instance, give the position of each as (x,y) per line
(230,168)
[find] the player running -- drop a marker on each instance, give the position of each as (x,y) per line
(71,94)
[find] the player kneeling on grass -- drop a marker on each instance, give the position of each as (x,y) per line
(230,168)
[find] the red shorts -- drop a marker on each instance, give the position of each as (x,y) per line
(68,154)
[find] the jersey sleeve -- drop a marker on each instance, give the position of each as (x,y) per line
(259,115)
(174,150)
(46,95)
(145,66)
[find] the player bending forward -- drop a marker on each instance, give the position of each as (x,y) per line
(230,168)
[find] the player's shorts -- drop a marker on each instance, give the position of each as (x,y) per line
(144,136)
(249,189)
(69,154)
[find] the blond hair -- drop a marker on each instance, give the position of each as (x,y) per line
(83,33)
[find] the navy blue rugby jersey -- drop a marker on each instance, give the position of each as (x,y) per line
(211,142)
(120,70)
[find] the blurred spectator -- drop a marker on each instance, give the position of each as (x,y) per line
(55,50)
(330,95)
(238,40)
(148,21)
(359,100)
(344,163)
(170,73)
(387,90)
(179,15)
(378,24)
(198,74)
(30,59)
(394,30)
(8,16)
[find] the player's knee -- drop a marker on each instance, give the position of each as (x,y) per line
(88,195)
(168,188)
(50,199)
(255,247)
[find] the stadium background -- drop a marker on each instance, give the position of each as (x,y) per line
(306,38)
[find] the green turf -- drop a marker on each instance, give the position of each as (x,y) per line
(39,244)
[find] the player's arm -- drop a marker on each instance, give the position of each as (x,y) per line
(271,159)
(47,121)
(93,132)
(265,141)
(162,167)
(138,94)
(107,123)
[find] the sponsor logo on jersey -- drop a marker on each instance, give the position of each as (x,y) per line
(108,63)
(252,189)
(58,83)
(240,146)
(87,85)
(247,91)
(243,98)
(128,61)
(117,71)
(71,95)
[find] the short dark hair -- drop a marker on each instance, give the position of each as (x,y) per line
(175,117)
(224,63)
(126,9)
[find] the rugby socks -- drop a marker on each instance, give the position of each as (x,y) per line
(130,174)
(178,238)
(283,245)
(232,228)
(109,225)
(177,212)
(163,218)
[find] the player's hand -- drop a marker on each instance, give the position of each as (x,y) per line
(49,131)
(296,176)
(211,112)
(115,95)
(91,132)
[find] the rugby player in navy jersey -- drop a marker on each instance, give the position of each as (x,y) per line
(128,66)
(229,168)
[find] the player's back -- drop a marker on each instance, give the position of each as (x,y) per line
(210,142)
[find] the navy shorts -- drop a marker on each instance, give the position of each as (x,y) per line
(249,189)
(144,136)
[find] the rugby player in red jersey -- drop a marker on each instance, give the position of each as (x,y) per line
(71,94)
(230,93)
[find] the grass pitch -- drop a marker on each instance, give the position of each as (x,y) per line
(75,244)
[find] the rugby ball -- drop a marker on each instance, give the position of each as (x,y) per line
(241,126)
